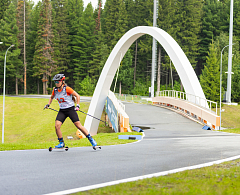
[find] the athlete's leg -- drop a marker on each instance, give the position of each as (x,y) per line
(86,133)
(81,128)
(74,117)
(58,125)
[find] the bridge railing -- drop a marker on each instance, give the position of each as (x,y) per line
(133,98)
(192,106)
(204,103)
(117,117)
(199,108)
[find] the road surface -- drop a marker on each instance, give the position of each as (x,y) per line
(171,141)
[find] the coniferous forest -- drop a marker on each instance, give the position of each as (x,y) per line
(63,36)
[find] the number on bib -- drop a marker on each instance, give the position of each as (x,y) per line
(61,100)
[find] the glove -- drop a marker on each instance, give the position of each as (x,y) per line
(77,108)
(46,106)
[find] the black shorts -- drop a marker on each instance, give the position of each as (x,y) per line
(68,112)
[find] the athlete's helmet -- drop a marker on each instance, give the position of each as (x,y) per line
(59,77)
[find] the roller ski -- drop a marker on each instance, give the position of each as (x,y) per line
(60,146)
(93,142)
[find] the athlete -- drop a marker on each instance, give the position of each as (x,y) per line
(66,96)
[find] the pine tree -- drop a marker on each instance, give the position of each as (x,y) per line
(74,12)
(224,16)
(125,77)
(44,54)
(98,16)
(235,93)
(99,56)
(209,78)
(121,23)
(236,24)
(166,11)
(83,46)
(142,14)
(223,40)
(211,27)
(30,47)
(111,11)
(23,31)
(187,23)
(139,12)
(3,6)
(8,34)
(131,12)
(235,89)
(61,35)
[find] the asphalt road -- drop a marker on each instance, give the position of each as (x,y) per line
(172,141)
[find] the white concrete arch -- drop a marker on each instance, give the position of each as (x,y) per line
(179,59)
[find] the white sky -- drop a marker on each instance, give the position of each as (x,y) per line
(94,2)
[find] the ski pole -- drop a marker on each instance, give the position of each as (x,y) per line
(50,109)
(92,116)
(82,112)
(53,109)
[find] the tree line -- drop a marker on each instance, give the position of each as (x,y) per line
(63,36)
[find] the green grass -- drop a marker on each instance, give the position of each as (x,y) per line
(28,126)
(218,179)
(230,116)
(102,139)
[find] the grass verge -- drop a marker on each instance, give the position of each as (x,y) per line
(230,116)
(102,139)
(28,126)
(218,179)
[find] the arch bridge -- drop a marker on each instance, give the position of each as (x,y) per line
(186,73)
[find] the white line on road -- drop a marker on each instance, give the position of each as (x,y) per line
(143,177)
(182,138)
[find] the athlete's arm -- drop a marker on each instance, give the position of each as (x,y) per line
(74,93)
(70,91)
(51,98)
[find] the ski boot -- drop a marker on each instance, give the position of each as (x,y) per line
(60,145)
(93,142)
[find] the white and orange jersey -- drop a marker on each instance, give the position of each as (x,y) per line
(64,97)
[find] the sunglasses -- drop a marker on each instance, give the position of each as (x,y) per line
(57,82)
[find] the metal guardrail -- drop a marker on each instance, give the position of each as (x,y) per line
(117,114)
(133,98)
(115,99)
(204,103)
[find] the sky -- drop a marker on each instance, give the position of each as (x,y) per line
(94,2)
